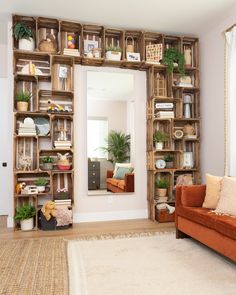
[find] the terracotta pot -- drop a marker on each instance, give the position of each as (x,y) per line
(22,106)
(25,44)
(161,192)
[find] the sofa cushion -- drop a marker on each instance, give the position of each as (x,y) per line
(121,184)
(121,171)
(226,225)
(227,201)
(117,165)
(193,196)
(113,181)
(198,215)
(213,185)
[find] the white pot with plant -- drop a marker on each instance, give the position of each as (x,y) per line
(24,35)
(22,100)
(47,163)
(159,138)
(41,184)
(161,188)
(25,215)
(113,53)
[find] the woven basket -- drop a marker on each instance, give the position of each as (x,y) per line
(47,46)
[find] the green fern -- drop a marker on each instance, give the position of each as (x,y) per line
(173,55)
(25,212)
(22,31)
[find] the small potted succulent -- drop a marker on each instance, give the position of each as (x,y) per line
(25,215)
(169,159)
(24,35)
(113,53)
(62,194)
(161,188)
(22,99)
(47,163)
(159,138)
(41,184)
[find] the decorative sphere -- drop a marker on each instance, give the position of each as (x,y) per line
(69,37)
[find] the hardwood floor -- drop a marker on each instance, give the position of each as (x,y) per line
(93,228)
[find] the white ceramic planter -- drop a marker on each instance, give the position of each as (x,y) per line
(27,224)
(113,55)
(25,44)
(22,106)
(159,145)
(41,188)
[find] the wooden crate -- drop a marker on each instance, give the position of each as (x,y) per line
(115,38)
(164,125)
(53,154)
(34,64)
(30,178)
(62,123)
(134,38)
(159,83)
(26,150)
(151,38)
(192,45)
(63,180)
(29,21)
(29,84)
(95,34)
(62,73)
(74,29)
(62,98)
(48,28)
(163,215)
(172,42)
(167,176)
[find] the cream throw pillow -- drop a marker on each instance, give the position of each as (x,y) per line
(227,201)
(213,186)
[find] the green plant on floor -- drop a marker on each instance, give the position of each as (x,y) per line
(168,158)
(173,55)
(160,136)
(162,183)
(23,96)
(41,181)
(22,31)
(47,159)
(118,147)
(25,212)
(113,48)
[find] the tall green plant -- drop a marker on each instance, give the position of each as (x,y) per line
(173,55)
(25,212)
(118,147)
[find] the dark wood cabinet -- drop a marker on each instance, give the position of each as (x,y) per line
(93,175)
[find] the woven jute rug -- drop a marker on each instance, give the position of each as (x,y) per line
(33,267)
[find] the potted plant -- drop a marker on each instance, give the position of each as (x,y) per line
(22,99)
(173,56)
(118,147)
(25,215)
(159,138)
(41,183)
(169,159)
(161,187)
(62,194)
(24,35)
(47,163)
(113,53)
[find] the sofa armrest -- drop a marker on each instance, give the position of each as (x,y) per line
(190,196)
(129,182)
(109,174)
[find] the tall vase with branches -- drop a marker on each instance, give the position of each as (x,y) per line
(118,147)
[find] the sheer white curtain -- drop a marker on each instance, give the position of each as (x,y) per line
(230,103)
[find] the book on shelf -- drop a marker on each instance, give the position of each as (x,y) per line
(165,115)
(190,136)
(164,105)
(72,52)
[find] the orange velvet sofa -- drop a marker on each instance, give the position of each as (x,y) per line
(120,185)
(215,231)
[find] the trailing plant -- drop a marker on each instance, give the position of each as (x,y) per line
(25,212)
(47,159)
(22,31)
(118,147)
(168,158)
(23,96)
(160,136)
(173,55)
(41,182)
(113,48)
(162,183)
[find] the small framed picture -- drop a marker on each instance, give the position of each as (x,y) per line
(90,45)
(188,160)
(63,72)
(133,56)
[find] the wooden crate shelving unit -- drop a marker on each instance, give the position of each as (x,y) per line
(161,88)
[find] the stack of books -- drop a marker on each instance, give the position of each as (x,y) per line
(190,136)
(165,115)
(164,106)
(72,52)
(63,203)
(62,144)
(27,129)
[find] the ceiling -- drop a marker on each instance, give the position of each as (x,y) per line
(171,16)
(110,86)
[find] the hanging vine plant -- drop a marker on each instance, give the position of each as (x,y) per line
(173,55)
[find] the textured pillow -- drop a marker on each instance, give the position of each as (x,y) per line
(193,195)
(213,186)
(227,201)
(121,171)
(117,165)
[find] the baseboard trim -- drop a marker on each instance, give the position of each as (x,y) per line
(109,216)
(10,222)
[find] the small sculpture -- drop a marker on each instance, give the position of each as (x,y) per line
(19,187)
(54,107)
(25,163)
(63,161)
(49,210)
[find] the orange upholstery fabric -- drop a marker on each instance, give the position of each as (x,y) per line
(227,226)
(193,195)
(121,184)
(113,181)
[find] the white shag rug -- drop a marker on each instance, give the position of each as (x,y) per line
(151,265)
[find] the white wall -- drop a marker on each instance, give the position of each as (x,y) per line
(212,95)
(95,208)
